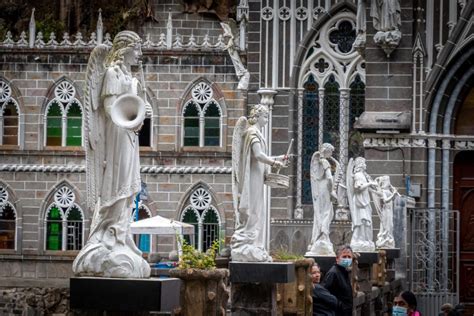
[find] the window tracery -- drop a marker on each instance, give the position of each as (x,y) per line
(8,221)
(9,116)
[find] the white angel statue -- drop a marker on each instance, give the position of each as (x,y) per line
(384,206)
(323,190)
(250,163)
(359,195)
(112,162)
(243,74)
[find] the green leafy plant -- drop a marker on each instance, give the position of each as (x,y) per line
(192,258)
(284,255)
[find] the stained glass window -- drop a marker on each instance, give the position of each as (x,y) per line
(64,117)
(356,107)
(344,36)
(7,226)
(54,229)
(331,114)
(74,229)
(310,133)
(191,217)
(64,222)
(74,125)
(10,118)
(210,228)
(144,137)
(205,219)
(202,118)
(54,125)
(212,124)
(191,125)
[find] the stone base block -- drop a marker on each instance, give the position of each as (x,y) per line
(130,295)
(368,258)
(253,299)
(392,253)
(262,272)
(325,262)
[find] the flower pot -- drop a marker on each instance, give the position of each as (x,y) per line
(203,292)
(295,298)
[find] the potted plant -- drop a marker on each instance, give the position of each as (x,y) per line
(295,298)
(203,288)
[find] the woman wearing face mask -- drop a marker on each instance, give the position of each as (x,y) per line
(324,303)
(338,282)
(404,304)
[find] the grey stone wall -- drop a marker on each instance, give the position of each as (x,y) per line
(169,76)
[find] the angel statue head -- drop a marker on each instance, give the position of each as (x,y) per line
(258,114)
(359,164)
(125,48)
(327,150)
(383,181)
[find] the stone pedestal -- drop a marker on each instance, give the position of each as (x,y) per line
(295,298)
(253,286)
(89,294)
(390,255)
(364,270)
(325,262)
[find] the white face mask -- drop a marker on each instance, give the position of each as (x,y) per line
(399,311)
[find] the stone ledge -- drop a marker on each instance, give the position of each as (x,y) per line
(262,272)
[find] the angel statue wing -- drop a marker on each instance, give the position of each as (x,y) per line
(239,130)
(230,29)
(316,171)
(350,184)
(94,124)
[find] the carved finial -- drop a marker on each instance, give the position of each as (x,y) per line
(192,41)
(32,29)
(162,41)
(100,28)
(65,41)
(148,43)
(22,41)
(8,39)
(205,42)
(52,40)
(39,40)
(108,40)
(178,43)
(93,40)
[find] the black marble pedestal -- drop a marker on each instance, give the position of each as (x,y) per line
(124,295)
(253,288)
(325,262)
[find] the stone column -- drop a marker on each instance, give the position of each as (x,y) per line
(342,213)
(266,98)
(298,213)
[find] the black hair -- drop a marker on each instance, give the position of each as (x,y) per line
(410,298)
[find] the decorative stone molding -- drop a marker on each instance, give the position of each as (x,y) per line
(144,169)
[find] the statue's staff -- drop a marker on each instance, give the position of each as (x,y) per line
(287,156)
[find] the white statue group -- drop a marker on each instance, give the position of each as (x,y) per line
(361,190)
(115,104)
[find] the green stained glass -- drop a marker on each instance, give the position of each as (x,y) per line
(54,125)
(54,229)
(191,125)
(74,126)
(190,217)
(331,114)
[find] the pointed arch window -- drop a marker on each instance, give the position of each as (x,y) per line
(63,118)
(8,218)
(64,222)
(205,218)
(332,77)
(202,119)
(9,116)
(142,241)
(310,132)
(356,108)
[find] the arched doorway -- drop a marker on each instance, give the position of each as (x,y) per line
(463,200)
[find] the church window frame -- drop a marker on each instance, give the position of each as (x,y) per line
(8,222)
(10,116)
(64,222)
(64,118)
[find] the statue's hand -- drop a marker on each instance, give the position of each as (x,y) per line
(334,195)
(148,110)
(279,164)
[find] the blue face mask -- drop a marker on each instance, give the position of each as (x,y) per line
(399,311)
(345,262)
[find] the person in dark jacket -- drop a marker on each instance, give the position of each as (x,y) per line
(324,303)
(338,282)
